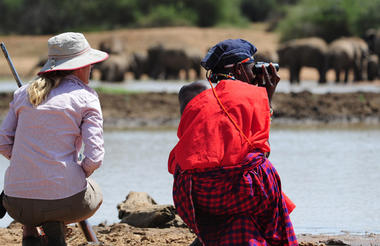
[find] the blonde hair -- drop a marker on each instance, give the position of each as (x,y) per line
(39,88)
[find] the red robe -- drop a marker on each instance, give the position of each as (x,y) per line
(208,138)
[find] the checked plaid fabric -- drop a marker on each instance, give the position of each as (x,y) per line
(238,205)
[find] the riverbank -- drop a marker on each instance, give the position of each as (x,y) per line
(161,110)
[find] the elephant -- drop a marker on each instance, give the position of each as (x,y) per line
(40,63)
(373,67)
(308,52)
(167,63)
(196,64)
(139,64)
(361,56)
(266,56)
(114,68)
(372,37)
(345,54)
(112,45)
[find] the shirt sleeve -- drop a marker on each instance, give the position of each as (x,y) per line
(7,132)
(92,134)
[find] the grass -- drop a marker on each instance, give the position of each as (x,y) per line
(118,91)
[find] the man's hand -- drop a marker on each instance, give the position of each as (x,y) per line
(268,81)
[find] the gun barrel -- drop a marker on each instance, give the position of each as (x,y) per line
(10,63)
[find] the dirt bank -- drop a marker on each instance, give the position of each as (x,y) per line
(161,109)
(138,110)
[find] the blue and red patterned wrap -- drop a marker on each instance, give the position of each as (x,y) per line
(238,205)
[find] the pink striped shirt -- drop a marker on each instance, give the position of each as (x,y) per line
(43,142)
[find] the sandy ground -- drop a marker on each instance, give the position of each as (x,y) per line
(120,234)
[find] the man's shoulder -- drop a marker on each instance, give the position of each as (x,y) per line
(236,89)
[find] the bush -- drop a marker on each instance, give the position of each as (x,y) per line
(53,16)
(257,10)
(323,18)
(366,16)
(166,16)
(329,19)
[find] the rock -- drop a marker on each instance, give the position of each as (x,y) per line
(133,201)
(140,210)
(334,242)
(177,222)
(150,217)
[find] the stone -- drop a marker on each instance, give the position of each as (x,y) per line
(140,210)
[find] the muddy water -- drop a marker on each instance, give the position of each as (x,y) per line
(333,175)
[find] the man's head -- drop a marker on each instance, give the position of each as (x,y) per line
(188,92)
(234,56)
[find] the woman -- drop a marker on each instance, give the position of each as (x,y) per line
(46,184)
(225,189)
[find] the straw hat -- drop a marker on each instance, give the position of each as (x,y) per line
(70,51)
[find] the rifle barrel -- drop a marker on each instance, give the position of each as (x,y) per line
(10,63)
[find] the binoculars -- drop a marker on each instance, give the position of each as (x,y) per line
(257,68)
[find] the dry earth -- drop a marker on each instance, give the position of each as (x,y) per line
(161,110)
(121,234)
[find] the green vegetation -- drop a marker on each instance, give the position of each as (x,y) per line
(118,91)
(52,16)
(329,19)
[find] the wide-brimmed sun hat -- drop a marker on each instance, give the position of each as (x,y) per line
(227,53)
(70,51)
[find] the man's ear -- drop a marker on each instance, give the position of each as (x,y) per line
(237,69)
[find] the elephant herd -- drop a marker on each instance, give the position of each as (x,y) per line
(343,55)
(158,62)
(361,56)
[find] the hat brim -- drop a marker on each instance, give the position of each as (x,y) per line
(92,56)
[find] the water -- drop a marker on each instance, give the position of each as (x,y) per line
(174,86)
(333,175)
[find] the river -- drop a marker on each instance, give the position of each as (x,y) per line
(332,175)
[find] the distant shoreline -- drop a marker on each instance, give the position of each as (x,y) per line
(304,109)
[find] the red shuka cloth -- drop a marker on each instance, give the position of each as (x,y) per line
(208,138)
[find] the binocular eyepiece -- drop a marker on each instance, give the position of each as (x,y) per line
(257,68)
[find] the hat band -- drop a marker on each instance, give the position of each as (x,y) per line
(71,55)
(243,61)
